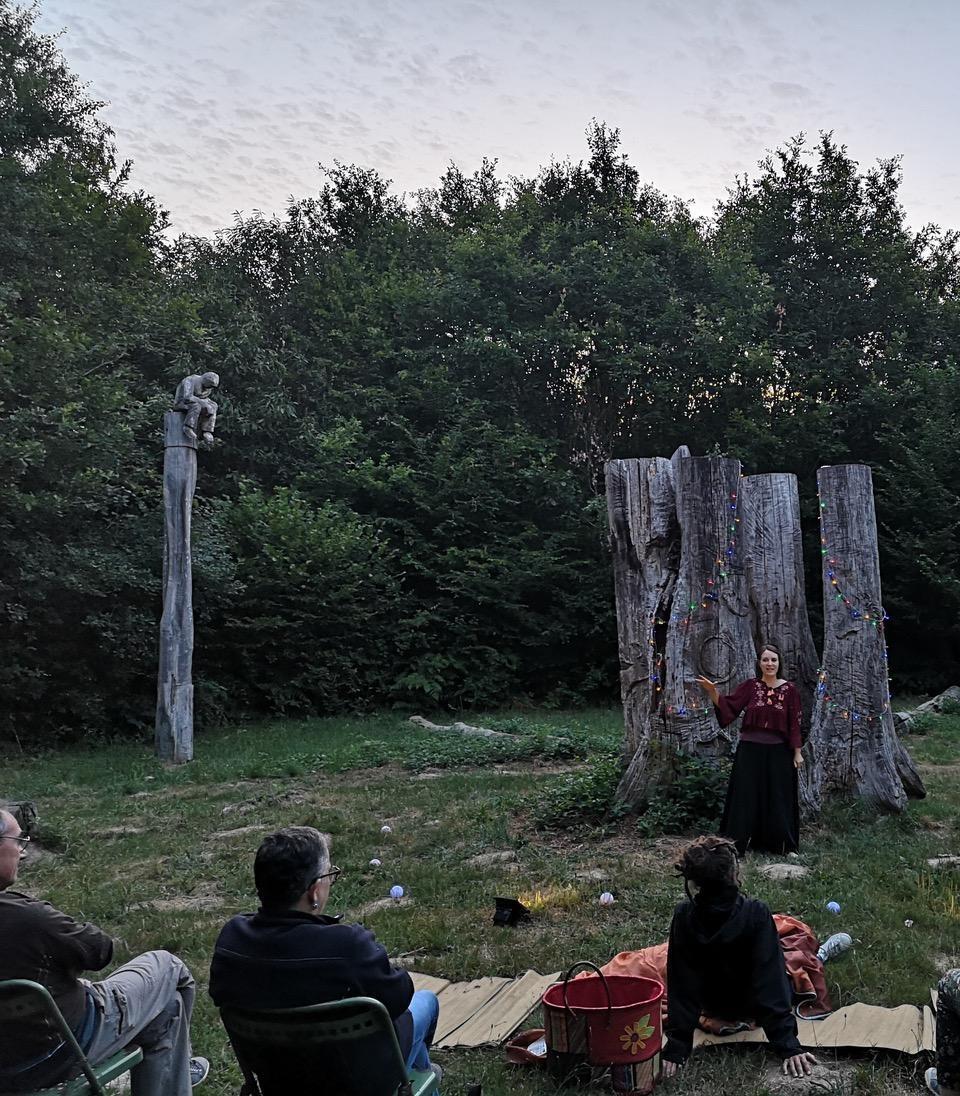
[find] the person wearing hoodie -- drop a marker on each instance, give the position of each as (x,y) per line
(724,959)
(291,954)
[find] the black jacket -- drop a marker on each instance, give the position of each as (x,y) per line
(290,959)
(725,960)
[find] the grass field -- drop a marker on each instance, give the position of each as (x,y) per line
(161,857)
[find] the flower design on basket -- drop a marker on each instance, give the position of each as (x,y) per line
(635,1036)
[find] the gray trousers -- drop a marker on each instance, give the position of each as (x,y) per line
(149,1002)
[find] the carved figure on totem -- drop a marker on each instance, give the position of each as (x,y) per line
(193,396)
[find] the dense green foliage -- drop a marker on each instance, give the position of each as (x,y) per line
(417,401)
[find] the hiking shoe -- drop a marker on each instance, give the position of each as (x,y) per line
(931,1078)
(438,1071)
(199,1071)
(834,945)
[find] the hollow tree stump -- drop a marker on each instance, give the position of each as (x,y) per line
(774,562)
(854,747)
(645,542)
(710,631)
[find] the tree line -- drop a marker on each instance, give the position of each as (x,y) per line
(418,396)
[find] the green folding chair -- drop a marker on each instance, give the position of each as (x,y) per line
(340,1048)
(28,1003)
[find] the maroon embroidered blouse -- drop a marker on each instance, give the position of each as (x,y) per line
(770,716)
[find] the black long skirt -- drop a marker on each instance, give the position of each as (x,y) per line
(762,811)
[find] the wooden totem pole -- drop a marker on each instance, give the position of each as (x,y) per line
(193,412)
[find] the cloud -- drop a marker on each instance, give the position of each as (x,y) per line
(794,92)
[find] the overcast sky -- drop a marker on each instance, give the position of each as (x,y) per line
(229,105)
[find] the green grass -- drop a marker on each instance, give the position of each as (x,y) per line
(122,832)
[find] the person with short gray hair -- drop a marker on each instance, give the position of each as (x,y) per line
(290,954)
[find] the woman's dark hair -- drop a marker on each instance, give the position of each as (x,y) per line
(776,650)
(287,862)
(709,863)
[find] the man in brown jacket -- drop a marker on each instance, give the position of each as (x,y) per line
(147,1002)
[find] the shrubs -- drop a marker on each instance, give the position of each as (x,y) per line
(690,800)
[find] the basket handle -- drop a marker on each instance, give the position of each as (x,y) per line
(599,972)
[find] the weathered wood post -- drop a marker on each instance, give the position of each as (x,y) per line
(645,542)
(774,561)
(174,719)
(855,749)
(710,630)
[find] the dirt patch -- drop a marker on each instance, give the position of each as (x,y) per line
(242,831)
(485,859)
(180,905)
(196,791)
(384,904)
(782,872)
(839,1077)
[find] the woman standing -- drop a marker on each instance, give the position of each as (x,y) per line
(762,810)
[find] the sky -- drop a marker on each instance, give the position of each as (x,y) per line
(228,106)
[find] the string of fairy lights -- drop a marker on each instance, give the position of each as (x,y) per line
(711,594)
(874,615)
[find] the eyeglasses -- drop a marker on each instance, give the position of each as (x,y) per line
(333,875)
(21,841)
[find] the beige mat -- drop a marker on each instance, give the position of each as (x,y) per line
(483,1012)
(488,1010)
(906,1029)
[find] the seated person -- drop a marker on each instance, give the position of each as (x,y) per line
(724,958)
(944,1077)
(290,954)
(147,1002)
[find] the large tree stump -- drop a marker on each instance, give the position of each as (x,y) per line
(774,561)
(710,631)
(174,720)
(645,541)
(855,750)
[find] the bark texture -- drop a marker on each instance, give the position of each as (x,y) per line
(855,749)
(645,542)
(174,721)
(710,631)
(774,563)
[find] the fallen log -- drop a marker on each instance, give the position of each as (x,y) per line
(460,728)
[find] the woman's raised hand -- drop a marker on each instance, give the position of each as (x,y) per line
(709,688)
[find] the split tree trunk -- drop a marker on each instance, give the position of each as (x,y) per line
(855,749)
(174,721)
(774,557)
(710,631)
(645,541)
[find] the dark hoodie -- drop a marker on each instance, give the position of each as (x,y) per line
(725,960)
(288,959)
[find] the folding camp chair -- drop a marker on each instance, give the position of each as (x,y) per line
(340,1048)
(28,1003)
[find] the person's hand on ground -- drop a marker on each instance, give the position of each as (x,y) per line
(669,1069)
(799,1065)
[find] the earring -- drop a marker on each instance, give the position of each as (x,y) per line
(314,905)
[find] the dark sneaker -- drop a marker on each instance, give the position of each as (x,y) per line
(199,1071)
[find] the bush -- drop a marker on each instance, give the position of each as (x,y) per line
(587,796)
(692,800)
